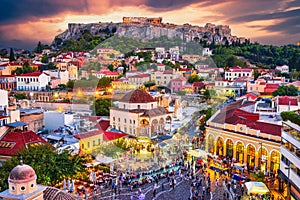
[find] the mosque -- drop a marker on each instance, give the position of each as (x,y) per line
(22,185)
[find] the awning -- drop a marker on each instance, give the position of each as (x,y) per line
(16,124)
(54,137)
(256,188)
(198,153)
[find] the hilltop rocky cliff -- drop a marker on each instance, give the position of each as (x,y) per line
(148,30)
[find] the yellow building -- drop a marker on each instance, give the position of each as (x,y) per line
(90,141)
(236,133)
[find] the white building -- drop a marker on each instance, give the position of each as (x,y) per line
(290,159)
(283,69)
(206,52)
(3,98)
(138,114)
(34,81)
(63,75)
(236,72)
(53,120)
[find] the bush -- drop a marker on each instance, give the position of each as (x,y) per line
(292,116)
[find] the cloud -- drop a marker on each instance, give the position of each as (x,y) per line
(33,10)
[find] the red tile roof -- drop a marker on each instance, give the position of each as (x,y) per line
(33,74)
(198,84)
(7,76)
(14,141)
(3,117)
(109,136)
(88,134)
(137,96)
(232,114)
(286,100)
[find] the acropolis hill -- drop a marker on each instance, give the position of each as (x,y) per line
(149,28)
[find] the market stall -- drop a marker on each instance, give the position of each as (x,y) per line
(254,188)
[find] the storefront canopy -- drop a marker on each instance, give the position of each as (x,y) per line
(256,188)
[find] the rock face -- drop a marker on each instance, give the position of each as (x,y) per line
(147,30)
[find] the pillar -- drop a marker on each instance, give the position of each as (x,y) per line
(234,151)
(256,159)
(245,155)
(269,162)
(224,149)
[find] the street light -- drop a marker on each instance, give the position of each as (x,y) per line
(288,197)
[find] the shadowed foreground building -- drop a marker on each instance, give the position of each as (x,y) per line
(22,185)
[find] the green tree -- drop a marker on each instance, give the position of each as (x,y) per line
(102,106)
(286,91)
(70,84)
(45,59)
(39,48)
(20,96)
(3,52)
(149,84)
(256,74)
(209,94)
(50,166)
(11,55)
(104,82)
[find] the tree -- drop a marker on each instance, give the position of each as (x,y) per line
(12,55)
(149,84)
(104,82)
(286,91)
(50,166)
(3,52)
(21,96)
(102,106)
(45,59)
(62,86)
(256,74)
(209,93)
(70,84)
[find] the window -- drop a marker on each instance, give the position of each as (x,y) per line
(133,121)
(94,143)
(88,144)
(82,146)
(114,119)
(138,106)
(99,140)
(23,188)
(13,188)
(125,120)
(32,185)
(124,107)
(130,121)
(119,119)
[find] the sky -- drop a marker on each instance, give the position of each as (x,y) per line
(24,23)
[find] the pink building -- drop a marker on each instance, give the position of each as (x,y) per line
(178,84)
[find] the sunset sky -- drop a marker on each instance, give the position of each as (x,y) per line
(24,23)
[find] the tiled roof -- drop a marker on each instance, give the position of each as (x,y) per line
(19,140)
(181,78)
(232,114)
(198,84)
(51,193)
(7,76)
(88,134)
(155,112)
(140,76)
(137,96)
(109,136)
(33,74)
(286,100)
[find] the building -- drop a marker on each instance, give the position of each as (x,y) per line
(22,185)
(138,114)
(139,79)
(14,141)
(286,103)
(235,131)
(89,141)
(33,117)
(178,84)
(8,82)
(105,72)
(53,120)
(290,159)
(164,77)
(34,81)
(236,72)
(283,69)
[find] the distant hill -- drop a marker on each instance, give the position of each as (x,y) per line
(147,29)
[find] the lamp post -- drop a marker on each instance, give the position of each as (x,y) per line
(288,197)
(260,155)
